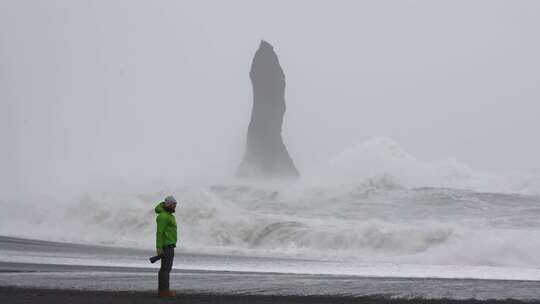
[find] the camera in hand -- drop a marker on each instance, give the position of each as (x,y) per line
(155,258)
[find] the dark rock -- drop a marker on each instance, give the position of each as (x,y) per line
(266,156)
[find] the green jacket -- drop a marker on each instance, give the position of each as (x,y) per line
(166,227)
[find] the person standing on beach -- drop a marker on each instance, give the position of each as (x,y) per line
(165,243)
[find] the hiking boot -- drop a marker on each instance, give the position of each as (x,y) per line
(167,294)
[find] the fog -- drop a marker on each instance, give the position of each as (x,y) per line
(116,93)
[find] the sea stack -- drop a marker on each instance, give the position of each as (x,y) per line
(266,156)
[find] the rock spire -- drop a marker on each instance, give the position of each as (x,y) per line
(266,156)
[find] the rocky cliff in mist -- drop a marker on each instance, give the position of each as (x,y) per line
(266,156)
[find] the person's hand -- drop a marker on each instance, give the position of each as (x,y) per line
(159,251)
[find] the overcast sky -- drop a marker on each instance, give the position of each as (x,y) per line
(136,91)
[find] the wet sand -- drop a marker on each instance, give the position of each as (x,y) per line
(45,296)
(22,281)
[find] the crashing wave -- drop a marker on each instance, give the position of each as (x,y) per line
(373,203)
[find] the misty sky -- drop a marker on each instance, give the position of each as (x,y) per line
(136,91)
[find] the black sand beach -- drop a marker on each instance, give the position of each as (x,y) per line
(44,296)
(25,282)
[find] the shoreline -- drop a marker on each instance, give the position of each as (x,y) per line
(18,295)
(202,281)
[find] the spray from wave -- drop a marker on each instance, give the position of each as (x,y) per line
(374,203)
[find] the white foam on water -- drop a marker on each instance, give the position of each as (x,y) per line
(374,205)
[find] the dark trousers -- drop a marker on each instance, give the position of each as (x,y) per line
(166,266)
